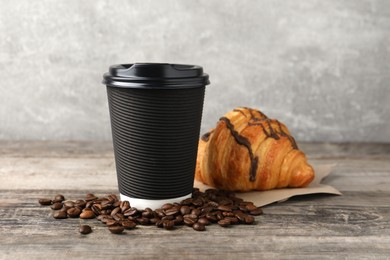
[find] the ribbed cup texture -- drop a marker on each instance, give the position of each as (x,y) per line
(155,134)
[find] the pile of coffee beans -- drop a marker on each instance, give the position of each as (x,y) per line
(202,209)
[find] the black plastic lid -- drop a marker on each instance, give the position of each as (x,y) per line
(155,75)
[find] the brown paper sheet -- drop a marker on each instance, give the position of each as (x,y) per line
(262,198)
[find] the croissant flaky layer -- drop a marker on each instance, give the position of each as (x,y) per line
(248,151)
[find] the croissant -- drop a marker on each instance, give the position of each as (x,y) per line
(248,151)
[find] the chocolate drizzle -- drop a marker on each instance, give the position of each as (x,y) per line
(243,141)
(206,136)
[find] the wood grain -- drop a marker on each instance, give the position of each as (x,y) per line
(355,225)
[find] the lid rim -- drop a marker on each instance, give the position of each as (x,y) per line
(155,75)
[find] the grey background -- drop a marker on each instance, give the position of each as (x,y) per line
(321,67)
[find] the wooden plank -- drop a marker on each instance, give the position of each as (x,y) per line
(355,225)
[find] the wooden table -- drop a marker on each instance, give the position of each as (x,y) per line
(355,225)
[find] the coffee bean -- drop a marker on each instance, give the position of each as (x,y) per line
(147,213)
(211,217)
(168,224)
(128,224)
(69,204)
(171,212)
(111,222)
(241,216)
(179,220)
(85,229)
(131,212)
(45,202)
(258,211)
(204,221)
(184,210)
(195,212)
(189,221)
(171,217)
(73,212)
(56,206)
(250,207)
(167,206)
(199,227)
(224,222)
(233,220)
(87,214)
(80,203)
(116,229)
(153,221)
(249,219)
(225,208)
(96,208)
(59,198)
(143,221)
(114,211)
(124,205)
(90,197)
(59,214)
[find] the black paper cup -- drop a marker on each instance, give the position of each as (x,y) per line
(156,111)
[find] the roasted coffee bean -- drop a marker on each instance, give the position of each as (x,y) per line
(73,212)
(153,221)
(59,198)
(159,223)
(171,217)
(90,197)
(219,215)
(249,219)
(167,206)
(56,206)
(147,213)
(69,203)
(114,211)
(224,222)
(96,208)
(192,216)
(131,212)
(143,221)
(64,208)
(241,216)
(116,229)
(204,221)
(172,211)
(59,214)
(87,214)
(250,207)
(195,212)
(101,217)
(228,214)
(118,217)
(224,208)
(89,204)
(199,227)
(85,229)
(128,224)
(124,205)
(116,204)
(256,212)
(111,222)
(189,221)
(160,213)
(233,220)
(197,202)
(45,202)
(184,210)
(206,210)
(186,202)
(211,217)
(168,224)
(80,203)
(178,220)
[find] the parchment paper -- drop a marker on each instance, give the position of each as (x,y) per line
(262,198)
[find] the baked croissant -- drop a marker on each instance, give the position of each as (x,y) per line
(248,151)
